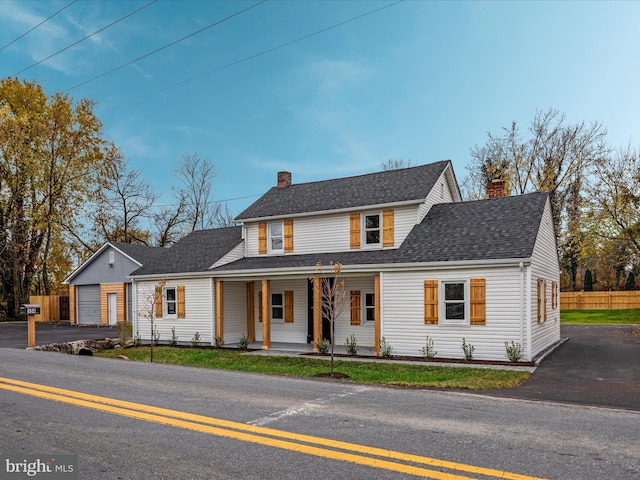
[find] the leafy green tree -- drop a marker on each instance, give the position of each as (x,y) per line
(588,281)
(631,282)
(51,152)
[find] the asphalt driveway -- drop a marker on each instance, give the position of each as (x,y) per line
(14,335)
(599,365)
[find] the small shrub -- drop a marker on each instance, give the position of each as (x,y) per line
(195,340)
(385,348)
(137,341)
(173,341)
(323,346)
(218,342)
(351,344)
(467,349)
(243,343)
(156,338)
(428,352)
(514,351)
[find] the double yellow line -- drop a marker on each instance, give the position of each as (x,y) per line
(307,444)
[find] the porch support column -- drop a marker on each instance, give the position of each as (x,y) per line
(266,314)
(317,312)
(376,328)
(251,315)
(219,310)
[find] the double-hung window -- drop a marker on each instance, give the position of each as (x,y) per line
(370,307)
(170,301)
(454,303)
(372,229)
(276,240)
(277,306)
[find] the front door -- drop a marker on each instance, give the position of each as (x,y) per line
(112,305)
(326,323)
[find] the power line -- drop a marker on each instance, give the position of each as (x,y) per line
(165,46)
(264,52)
(85,38)
(42,22)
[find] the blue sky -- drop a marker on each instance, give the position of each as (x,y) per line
(419,80)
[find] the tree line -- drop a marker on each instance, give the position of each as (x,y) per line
(65,190)
(594,191)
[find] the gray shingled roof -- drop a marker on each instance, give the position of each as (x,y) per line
(392,186)
(480,230)
(140,253)
(194,253)
(492,229)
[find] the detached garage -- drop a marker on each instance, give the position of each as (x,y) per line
(100,290)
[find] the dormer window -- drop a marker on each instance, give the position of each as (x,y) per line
(276,240)
(372,229)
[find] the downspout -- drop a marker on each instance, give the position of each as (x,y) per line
(522,303)
(528,316)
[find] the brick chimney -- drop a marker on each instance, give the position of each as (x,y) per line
(284,179)
(495,188)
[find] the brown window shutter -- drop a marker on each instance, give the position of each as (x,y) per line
(180,294)
(478,301)
(260,306)
(288,236)
(387,228)
(431,302)
(288,306)
(158,302)
(262,238)
(354,222)
(539,299)
(356,310)
(544,297)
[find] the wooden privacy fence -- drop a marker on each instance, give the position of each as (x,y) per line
(53,308)
(600,300)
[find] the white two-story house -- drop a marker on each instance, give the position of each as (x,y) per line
(417,262)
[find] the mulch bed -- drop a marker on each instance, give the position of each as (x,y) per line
(422,360)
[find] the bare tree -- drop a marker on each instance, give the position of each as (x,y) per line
(150,298)
(122,203)
(170,222)
(395,164)
(196,174)
(614,194)
(223,216)
(334,298)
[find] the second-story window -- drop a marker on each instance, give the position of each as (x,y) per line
(275,237)
(372,229)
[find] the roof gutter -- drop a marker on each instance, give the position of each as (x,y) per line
(373,268)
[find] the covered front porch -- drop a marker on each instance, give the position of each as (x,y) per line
(291,313)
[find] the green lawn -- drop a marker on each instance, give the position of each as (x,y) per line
(382,373)
(600,316)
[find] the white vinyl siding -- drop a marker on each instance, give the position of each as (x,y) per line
(544,266)
(235,311)
(331,232)
(235,254)
(295,332)
(440,193)
(343,328)
(403,323)
(198,311)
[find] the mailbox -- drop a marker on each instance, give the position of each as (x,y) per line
(29,309)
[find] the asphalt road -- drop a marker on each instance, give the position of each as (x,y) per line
(535,439)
